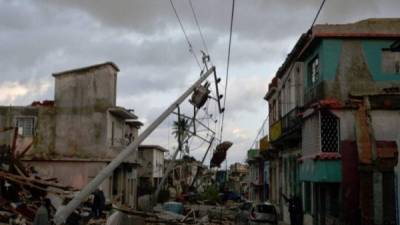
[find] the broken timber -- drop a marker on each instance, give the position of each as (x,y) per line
(107,171)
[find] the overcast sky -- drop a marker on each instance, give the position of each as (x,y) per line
(144,39)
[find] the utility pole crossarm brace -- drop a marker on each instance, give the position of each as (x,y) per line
(63,214)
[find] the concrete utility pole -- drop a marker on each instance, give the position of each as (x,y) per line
(61,216)
(161,184)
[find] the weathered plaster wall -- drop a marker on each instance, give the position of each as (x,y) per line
(115,136)
(346,118)
(8,115)
(75,174)
(386,124)
(44,139)
(43,135)
(82,99)
(350,66)
(94,88)
(373,54)
(311,137)
(146,163)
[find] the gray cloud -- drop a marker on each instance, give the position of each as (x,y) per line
(38,38)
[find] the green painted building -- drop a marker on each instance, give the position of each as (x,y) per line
(348,77)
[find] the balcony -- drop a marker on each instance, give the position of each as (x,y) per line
(275,131)
(287,129)
(291,121)
(315,93)
(264,144)
(253,154)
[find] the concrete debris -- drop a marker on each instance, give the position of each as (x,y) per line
(22,191)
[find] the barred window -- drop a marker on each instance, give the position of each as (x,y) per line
(25,125)
(329,132)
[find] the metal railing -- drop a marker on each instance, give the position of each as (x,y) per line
(290,120)
(315,93)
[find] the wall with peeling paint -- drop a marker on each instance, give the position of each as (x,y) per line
(71,137)
(82,99)
(350,67)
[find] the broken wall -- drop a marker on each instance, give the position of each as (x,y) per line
(42,135)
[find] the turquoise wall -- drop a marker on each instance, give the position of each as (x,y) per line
(373,54)
(329,50)
(330,55)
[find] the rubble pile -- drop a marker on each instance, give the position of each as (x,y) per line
(22,189)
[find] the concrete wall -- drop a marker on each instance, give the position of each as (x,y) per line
(43,134)
(94,88)
(311,137)
(386,124)
(146,163)
(115,132)
(76,174)
(347,123)
(152,162)
(82,98)
(351,66)
(8,117)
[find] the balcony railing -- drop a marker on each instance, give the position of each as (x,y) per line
(275,131)
(253,154)
(290,120)
(315,93)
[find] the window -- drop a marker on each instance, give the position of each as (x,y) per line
(25,125)
(391,61)
(329,132)
(313,71)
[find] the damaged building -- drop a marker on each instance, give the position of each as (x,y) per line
(334,124)
(73,137)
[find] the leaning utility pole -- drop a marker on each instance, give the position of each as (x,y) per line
(63,214)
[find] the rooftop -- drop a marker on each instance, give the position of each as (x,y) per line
(122,113)
(144,147)
(87,68)
(368,28)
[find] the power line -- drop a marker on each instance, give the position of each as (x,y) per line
(316,16)
(259,131)
(289,71)
(198,27)
(227,66)
(184,33)
(297,57)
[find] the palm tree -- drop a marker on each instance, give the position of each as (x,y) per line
(181,130)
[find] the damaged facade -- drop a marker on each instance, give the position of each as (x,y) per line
(334,124)
(73,137)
